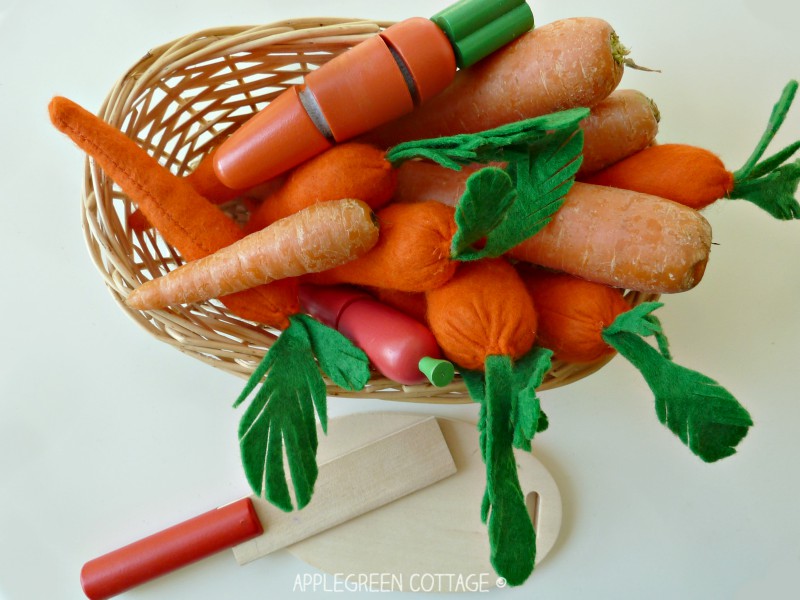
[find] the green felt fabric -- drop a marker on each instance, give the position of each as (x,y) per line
(510,415)
(280,419)
(770,184)
(703,414)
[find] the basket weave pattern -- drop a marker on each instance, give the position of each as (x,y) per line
(180,101)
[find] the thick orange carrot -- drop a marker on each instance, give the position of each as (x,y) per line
(314,239)
(565,64)
(185,219)
(573,313)
(617,127)
(624,239)
(350,170)
(483,310)
(412,253)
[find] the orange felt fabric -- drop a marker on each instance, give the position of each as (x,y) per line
(184,218)
(412,253)
(573,313)
(483,310)
(350,170)
(411,303)
(685,174)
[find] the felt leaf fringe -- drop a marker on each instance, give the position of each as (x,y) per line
(510,415)
(280,419)
(486,146)
(770,184)
(703,414)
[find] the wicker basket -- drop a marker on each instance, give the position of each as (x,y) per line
(179,101)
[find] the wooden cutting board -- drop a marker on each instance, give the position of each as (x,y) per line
(433,539)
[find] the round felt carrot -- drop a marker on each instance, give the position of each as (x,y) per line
(697,177)
(624,239)
(349,170)
(412,253)
(617,127)
(485,322)
(314,239)
(573,313)
(564,64)
(185,219)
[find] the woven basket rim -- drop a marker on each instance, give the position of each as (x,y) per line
(144,98)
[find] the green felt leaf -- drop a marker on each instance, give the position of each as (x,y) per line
(703,414)
(526,413)
(280,420)
(487,198)
(485,146)
(339,358)
(511,535)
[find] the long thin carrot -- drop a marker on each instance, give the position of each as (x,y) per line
(619,126)
(349,170)
(315,239)
(184,218)
(624,239)
(412,253)
(564,64)
(697,177)
(485,322)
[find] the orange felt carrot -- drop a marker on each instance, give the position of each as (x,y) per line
(411,303)
(315,239)
(185,219)
(624,239)
(412,253)
(573,313)
(485,322)
(564,64)
(617,127)
(349,170)
(696,177)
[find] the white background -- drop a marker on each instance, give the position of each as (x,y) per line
(107,435)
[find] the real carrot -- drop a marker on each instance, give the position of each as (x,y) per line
(412,253)
(624,239)
(315,239)
(564,64)
(185,219)
(619,126)
(697,177)
(349,170)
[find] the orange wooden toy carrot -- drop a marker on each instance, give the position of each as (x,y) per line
(185,219)
(315,239)
(349,170)
(564,64)
(697,177)
(412,253)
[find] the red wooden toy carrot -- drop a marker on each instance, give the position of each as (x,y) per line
(485,322)
(696,177)
(376,81)
(564,64)
(584,321)
(349,170)
(315,239)
(185,219)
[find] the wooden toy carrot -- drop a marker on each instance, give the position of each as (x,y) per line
(583,320)
(349,170)
(564,64)
(696,177)
(315,239)
(377,80)
(185,219)
(485,322)
(617,127)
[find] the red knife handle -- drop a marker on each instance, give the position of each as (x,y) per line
(167,550)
